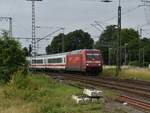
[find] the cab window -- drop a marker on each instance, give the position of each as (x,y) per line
(93,57)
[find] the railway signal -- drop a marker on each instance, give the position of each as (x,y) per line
(30,49)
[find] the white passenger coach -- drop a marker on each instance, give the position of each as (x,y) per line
(55,61)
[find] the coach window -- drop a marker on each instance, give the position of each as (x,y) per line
(56,60)
(37,61)
(33,61)
(50,60)
(59,60)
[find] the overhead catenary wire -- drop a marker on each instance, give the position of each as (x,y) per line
(111,18)
(96,27)
(50,34)
(97,23)
(123,14)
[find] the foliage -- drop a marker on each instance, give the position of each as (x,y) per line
(19,80)
(42,95)
(12,57)
(110,34)
(26,51)
(134,63)
(78,40)
(131,38)
(108,37)
(130,41)
(145,48)
(128,73)
(56,45)
(72,41)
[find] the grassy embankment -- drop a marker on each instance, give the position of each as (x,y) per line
(38,94)
(128,73)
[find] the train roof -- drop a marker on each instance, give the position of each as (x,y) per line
(62,54)
(51,55)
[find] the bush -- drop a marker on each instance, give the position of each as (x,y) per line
(134,63)
(146,64)
(19,80)
(12,58)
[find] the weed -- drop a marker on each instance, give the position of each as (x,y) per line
(39,94)
(19,80)
(128,73)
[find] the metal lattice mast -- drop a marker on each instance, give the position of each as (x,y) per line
(33,28)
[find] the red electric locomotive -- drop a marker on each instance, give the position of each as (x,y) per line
(85,61)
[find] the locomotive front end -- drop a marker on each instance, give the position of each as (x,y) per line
(94,62)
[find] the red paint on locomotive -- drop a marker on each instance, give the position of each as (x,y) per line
(85,60)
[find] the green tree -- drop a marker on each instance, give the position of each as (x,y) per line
(145,51)
(107,40)
(110,34)
(129,41)
(56,44)
(26,51)
(12,57)
(78,40)
(132,39)
(72,41)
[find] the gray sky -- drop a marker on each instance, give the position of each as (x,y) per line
(71,14)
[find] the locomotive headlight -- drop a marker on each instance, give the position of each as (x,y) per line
(87,64)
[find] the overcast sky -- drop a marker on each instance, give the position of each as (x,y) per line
(71,14)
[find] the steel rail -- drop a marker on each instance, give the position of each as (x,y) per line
(134,102)
(129,100)
(131,88)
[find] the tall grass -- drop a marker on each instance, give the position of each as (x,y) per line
(136,73)
(39,94)
(129,73)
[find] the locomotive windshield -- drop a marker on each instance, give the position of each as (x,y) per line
(93,57)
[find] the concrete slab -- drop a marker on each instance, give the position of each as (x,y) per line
(92,93)
(80,99)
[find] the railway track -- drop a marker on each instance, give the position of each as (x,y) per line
(134,102)
(135,87)
(140,82)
